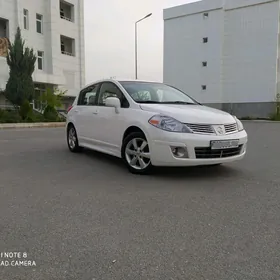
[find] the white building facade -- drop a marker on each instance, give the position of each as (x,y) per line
(55,30)
(225,53)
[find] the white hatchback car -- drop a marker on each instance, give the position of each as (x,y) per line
(152,124)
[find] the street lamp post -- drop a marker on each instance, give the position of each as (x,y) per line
(136,61)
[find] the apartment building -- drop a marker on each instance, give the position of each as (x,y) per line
(55,30)
(224,53)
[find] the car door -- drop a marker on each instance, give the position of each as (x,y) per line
(78,114)
(86,113)
(109,124)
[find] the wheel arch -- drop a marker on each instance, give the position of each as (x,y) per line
(69,125)
(131,129)
(128,131)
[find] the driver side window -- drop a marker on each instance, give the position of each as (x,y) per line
(88,96)
(109,89)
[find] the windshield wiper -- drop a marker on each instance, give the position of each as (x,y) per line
(149,102)
(179,102)
(167,102)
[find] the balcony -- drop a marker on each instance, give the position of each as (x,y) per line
(4,37)
(67,45)
(66,11)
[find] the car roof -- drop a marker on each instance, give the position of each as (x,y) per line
(120,80)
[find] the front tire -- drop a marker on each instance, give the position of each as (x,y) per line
(136,153)
(72,140)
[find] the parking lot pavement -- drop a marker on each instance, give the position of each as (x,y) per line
(84,217)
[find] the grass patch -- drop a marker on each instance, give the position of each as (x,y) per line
(13,116)
(254,119)
(247,118)
(275,117)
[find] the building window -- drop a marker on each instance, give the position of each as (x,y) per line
(205,40)
(40,60)
(62,13)
(4,29)
(67,45)
(205,15)
(66,11)
(62,46)
(203,87)
(39,23)
(204,63)
(25,19)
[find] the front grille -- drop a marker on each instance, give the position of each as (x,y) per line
(201,128)
(206,152)
(230,128)
(209,129)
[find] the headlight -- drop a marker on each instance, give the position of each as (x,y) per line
(168,124)
(240,126)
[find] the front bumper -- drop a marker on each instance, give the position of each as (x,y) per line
(197,147)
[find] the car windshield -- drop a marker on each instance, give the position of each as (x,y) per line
(146,92)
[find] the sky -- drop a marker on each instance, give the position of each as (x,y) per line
(109,38)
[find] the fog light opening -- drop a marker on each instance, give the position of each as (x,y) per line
(179,152)
(244,147)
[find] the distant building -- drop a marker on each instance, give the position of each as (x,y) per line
(55,30)
(225,53)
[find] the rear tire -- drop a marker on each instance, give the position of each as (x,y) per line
(136,154)
(72,140)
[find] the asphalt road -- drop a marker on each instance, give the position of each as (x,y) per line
(84,217)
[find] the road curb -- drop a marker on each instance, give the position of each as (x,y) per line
(31,125)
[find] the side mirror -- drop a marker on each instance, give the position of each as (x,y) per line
(113,102)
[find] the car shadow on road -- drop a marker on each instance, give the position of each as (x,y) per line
(197,172)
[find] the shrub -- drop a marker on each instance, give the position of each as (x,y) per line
(50,114)
(246,118)
(275,117)
(25,110)
(10,116)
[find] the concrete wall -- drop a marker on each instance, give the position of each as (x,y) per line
(248,109)
(250,54)
(184,53)
(241,53)
(59,69)
(4,103)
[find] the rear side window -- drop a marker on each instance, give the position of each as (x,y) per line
(87,96)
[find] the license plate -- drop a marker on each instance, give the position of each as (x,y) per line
(224,144)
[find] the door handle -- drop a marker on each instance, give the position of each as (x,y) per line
(95,113)
(76,111)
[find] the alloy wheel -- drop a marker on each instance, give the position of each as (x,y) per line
(137,153)
(72,138)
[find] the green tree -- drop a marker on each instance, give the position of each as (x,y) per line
(21,61)
(51,100)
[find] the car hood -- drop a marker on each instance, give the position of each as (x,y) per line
(190,113)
